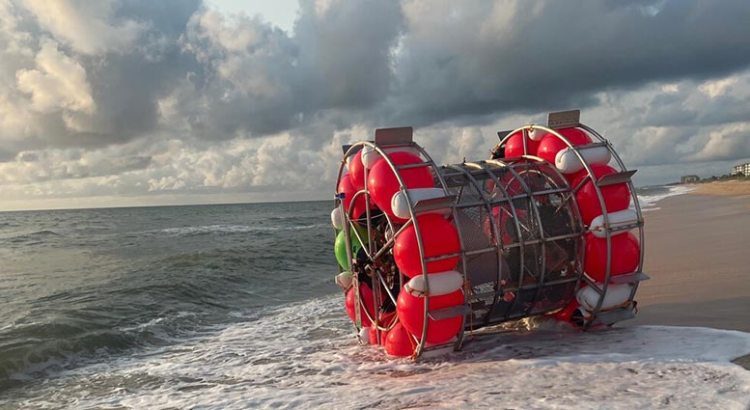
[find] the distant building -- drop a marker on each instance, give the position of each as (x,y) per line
(741,169)
(689,179)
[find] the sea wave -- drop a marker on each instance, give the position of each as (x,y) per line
(225,228)
(305,355)
(34,238)
(648,201)
(34,350)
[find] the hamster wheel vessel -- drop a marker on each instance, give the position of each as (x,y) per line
(549,225)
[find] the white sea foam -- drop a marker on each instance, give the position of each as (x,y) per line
(305,356)
(648,201)
(227,228)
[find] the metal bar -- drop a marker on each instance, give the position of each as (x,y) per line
(616,315)
(449,312)
(415,165)
(498,249)
(564,119)
(517,224)
(383,249)
(432,204)
(636,204)
(347,241)
(630,278)
(537,216)
(617,178)
(442,257)
(605,216)
(393,136)
(550,283)
(420,243)
(591,145)
(627,226)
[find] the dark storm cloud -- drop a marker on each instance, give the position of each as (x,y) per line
(123,75)
(482,57)
(259,80)
(216,77)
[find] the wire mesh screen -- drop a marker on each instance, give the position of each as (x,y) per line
(520,234)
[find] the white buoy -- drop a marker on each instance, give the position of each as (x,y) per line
(537,134)
(616,295)
(568,162)
(441,283)
(624,217)
(337,218)
(344,280)
(370,155)
(400,206)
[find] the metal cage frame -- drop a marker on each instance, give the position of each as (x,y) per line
(388,139)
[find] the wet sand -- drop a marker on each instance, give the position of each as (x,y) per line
(698,257)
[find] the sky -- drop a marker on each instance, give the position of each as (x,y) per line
(136,102)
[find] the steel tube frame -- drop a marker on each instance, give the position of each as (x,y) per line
(469,171)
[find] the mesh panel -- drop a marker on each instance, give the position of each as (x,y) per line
(520,236)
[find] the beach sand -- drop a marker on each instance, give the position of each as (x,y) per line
(698,257)
(723,188)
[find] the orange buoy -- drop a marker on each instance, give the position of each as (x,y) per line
(382,182)
(626,254)
(439,238)
(357,170)
(514,146)
(550,144)
(616,197)
(398,343)
(410,310)
(365,294)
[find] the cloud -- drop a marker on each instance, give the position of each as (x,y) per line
(141,98)
(725,143)
(480,57)
(258,80)
(88,27)
(57,83)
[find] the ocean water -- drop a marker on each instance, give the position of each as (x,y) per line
(233,306)
(81,286)
(648,196)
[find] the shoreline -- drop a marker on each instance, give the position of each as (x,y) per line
(697,256)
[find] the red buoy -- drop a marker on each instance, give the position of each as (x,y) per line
(514,146)
(366,297)
(347,188)
(616,197)
(410,310)
(385,319)
(398,343)
(382,182)
(439,237)
(626,253)
(357,170)
(550,144)
(566,314)
(372,335)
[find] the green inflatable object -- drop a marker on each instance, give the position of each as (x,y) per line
(339,247)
